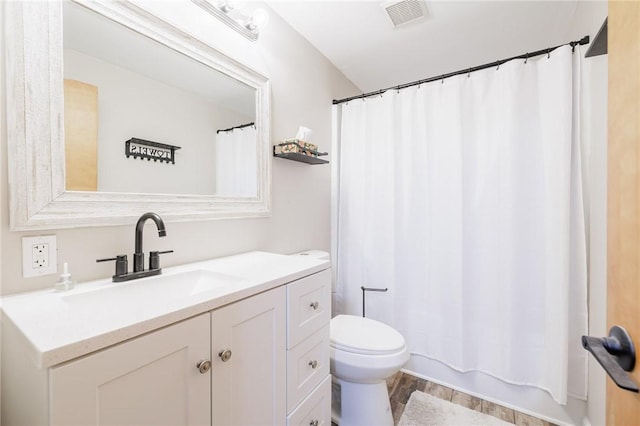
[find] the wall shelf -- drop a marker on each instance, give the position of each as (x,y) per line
(296,156)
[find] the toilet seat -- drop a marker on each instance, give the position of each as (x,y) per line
(364,336)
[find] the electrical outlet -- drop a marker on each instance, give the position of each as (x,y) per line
(39,256)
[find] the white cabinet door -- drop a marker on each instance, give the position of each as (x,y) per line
(248,388)
(149,380)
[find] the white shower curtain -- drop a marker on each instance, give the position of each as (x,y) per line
(464,198)
(237,163)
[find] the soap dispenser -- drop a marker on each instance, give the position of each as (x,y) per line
(64,282)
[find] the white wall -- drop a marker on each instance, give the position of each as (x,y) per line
(133,105)
(303,84)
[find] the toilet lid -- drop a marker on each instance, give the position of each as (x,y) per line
(364,336)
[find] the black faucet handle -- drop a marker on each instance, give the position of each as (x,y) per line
(118,258)
(154,258)
(122,265)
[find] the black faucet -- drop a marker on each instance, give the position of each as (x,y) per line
(122,273)
(138,255)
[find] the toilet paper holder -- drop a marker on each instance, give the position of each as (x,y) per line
(365,289)
(616,354)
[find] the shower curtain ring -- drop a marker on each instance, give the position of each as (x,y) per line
(548,53)
(526,58)
(469,73)
(398,89)
(498,67)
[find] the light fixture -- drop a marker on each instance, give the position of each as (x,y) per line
(228,12)
(259,19)
(227,6)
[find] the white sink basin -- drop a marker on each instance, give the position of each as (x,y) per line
(157,290)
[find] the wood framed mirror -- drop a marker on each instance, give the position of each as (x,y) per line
(39,196)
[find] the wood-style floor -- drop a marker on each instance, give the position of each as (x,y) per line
(402,385)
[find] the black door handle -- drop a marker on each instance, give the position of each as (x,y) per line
(616,354)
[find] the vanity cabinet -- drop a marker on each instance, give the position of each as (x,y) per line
(149,380)
(261,358)
(156,380)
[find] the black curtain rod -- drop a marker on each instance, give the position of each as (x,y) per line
(573,44)
(233,128)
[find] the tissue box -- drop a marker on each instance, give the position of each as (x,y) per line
(297,145)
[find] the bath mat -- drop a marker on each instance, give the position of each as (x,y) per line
(426,410)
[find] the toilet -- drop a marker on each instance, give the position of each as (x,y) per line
(363,354)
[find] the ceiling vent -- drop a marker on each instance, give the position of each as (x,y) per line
(405,11)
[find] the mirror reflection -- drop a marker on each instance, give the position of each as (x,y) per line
(190,128)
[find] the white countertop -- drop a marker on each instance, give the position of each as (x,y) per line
(59,326)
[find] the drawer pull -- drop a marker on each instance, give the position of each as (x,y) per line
(225,355)
(314,305)
(314,423)
(313,364)
(204,366)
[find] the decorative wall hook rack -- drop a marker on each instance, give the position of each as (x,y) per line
(156,151)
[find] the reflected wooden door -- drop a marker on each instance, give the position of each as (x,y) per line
(623,231)
(80,136)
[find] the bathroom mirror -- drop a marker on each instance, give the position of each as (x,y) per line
(184,177)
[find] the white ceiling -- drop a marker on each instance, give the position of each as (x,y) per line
(359,40)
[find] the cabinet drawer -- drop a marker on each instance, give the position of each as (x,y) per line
(317,407)
(307,365)
(308,306)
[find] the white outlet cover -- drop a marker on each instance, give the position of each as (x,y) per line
(28,269)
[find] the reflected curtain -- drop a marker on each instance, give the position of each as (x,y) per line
(236,163)
(464,197)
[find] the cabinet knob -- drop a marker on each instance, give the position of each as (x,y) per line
(225,355)
(314,423)
(313,364)
(314,305)
(204,366)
